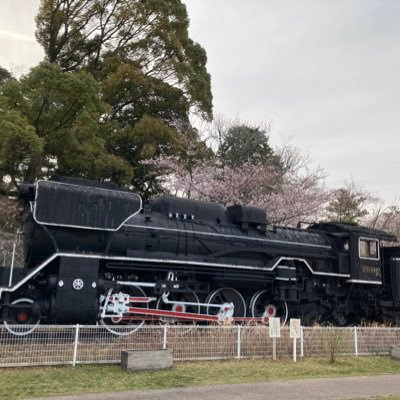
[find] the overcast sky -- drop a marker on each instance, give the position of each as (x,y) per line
(326,73)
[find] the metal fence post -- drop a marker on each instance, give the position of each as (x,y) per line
(165,341)
(355,341)
(239,342)
(75,345)
(302,341)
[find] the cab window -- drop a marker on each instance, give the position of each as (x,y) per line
(369,248)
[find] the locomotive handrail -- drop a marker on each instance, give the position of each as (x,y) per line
(12,264)
(15,242)
(29,276)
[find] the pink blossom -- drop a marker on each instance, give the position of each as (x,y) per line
(288,195)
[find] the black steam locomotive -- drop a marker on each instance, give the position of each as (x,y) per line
(94,253)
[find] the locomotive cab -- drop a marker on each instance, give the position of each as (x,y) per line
(367,257)
(359,251)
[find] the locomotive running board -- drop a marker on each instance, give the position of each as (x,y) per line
(150,260)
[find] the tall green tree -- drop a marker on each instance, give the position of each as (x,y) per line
(149,138)
(19,144)
(238,142)
(244,143)
(150,73)
(54,120)
(133,95)
(349,204)
(152,35)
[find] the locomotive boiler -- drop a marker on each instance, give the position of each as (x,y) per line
(94,253)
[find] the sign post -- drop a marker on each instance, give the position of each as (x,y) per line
(295,333)
(274,332)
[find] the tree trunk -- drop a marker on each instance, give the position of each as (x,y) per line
(34,168)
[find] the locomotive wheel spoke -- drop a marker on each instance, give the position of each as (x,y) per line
(227,295)
(131,323)
(21,321)
(262,305)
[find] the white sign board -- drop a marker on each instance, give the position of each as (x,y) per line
(295,328)
(274,327)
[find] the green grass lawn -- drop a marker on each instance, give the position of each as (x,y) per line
(18,383)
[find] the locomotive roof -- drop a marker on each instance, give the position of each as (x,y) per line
(87,183)
(353,229)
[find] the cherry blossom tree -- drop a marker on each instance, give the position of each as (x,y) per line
(289,192)
(354,204)
(287,188)
(386,218)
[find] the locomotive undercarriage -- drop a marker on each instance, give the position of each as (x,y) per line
(180,295)
(185,297)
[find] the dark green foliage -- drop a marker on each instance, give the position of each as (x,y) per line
(149,74)
(5,75)
(244,143)
(19,144)
(152,35)
(51,121)
(147,139)
(349,204)
(133,95)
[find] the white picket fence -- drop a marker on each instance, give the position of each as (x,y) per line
(83,344)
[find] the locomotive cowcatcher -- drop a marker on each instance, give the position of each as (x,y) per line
(94,253)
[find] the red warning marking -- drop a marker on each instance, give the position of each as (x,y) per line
(22,317)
